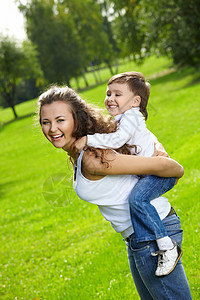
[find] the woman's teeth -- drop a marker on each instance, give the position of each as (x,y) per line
(57,136)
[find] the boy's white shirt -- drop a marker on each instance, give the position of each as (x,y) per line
(131,130)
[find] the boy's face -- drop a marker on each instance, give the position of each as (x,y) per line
(119,98)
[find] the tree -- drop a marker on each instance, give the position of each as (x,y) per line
(127,27)
(69,35)
(52,29)
(17,63)
(173,29)
(165,27)
(90,25)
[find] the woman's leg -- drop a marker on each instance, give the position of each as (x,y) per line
(145,219)
(140,286)
(143,266)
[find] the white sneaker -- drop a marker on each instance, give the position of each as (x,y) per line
(167,260)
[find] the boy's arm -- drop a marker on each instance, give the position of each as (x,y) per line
(111,140)
(127,127)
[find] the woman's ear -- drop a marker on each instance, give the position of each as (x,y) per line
(136,101)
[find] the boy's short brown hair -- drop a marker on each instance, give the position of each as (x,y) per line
(137,84)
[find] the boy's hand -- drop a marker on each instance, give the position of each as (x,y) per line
(159,150)
(80,144)
(177,179)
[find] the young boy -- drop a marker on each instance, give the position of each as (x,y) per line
(126,100)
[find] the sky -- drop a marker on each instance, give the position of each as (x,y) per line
(11,20)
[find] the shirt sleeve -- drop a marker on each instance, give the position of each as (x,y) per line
(126,130)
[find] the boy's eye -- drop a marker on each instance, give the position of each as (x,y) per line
(117,95)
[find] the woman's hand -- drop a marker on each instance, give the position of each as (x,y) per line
(159,150)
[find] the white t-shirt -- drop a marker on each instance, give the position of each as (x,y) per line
(111,195)
(131,130)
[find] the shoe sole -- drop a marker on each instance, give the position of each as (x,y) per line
(180,252)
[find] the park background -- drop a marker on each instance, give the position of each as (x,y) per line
(53,245)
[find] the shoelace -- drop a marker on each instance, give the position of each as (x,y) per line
(162,258)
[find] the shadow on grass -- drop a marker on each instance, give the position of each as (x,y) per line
(3,124)
(5,187)
(176,75)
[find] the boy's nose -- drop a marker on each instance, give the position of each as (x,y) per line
(110,98)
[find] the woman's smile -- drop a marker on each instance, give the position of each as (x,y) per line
(57,137)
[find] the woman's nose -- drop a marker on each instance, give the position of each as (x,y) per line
(53,127)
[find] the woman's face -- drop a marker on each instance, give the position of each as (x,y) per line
(58,124)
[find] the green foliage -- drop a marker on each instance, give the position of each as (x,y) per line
(127,27)
(71,252)
(89,25)
(16,64)
(173,29)
(58,45)
(166,27)
(69,36)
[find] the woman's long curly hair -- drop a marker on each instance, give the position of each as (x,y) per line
(87,119)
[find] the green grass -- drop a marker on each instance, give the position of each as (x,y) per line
(66,250)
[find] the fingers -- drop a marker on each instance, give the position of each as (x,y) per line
(160,153)
(79,145)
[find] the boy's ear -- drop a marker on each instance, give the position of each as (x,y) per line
(137,101)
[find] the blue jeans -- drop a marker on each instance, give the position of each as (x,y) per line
(143,265)
(144,217)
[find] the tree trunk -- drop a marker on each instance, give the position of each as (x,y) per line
(95,76)
(68,83)
(116,67)
(77,83)
(14,111)
(10,98)
(99,74)
(84,77)
(110,67)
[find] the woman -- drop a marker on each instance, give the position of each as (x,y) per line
(105,178)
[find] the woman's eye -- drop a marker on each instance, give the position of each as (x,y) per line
(60,120)
(45,122)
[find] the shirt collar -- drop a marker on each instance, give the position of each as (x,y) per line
(118,117)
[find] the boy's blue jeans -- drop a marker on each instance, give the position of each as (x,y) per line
(145,219)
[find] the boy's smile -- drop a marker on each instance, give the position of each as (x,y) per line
(119,98)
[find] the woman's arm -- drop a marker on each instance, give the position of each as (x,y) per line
(120,164)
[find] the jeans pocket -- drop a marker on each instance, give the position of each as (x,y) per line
(142,246)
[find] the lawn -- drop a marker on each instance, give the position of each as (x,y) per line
(55,246)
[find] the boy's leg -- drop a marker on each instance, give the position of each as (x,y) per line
(145,219)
